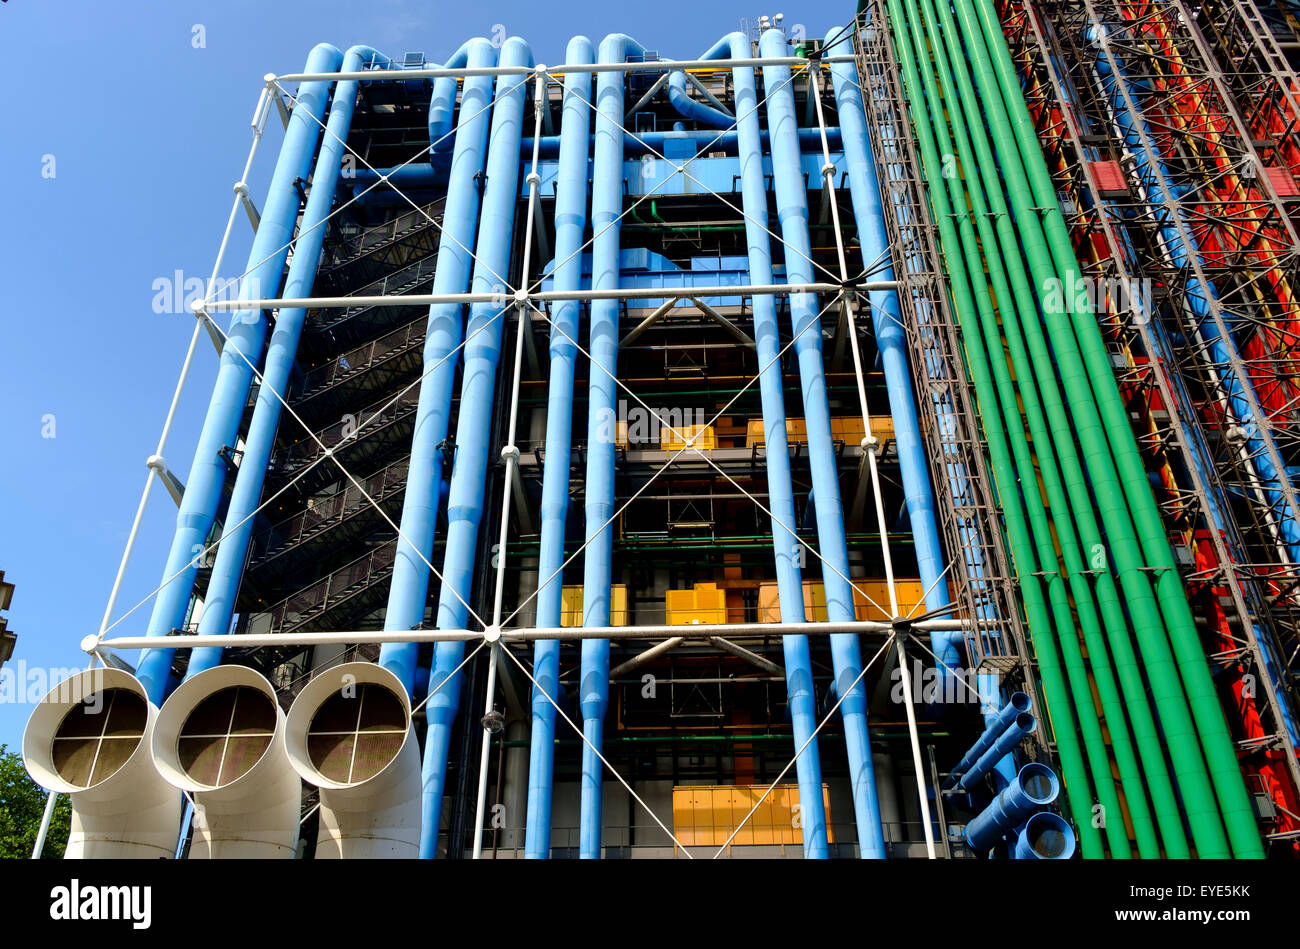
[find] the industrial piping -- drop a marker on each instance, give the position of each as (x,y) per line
(606,212)
(570,222)
(410,584)
(1034,788)
(792,212)
(798,664)
(473,427)
(245,337)
(223,586)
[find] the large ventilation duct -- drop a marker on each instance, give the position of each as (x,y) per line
(606,215)
(243,350)
(1031,790)
(570,221)
(1020,726)
(1017,705)
(846,657)
(220,738)
(1045,836)
(798,665)
(89,738)
(349,733)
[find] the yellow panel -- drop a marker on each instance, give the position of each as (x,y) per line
(571,605)
(704,604)
(846,429)
(705,437)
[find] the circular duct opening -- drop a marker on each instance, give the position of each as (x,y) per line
(1037,783)
(1048,839)
(226,735)
(356,732)
(97,736)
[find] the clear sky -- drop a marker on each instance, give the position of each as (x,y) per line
(123,126)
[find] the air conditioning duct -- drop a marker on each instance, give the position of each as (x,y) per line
(220,737)
(89,738)
(349,733)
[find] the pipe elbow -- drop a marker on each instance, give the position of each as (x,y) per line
(689,108)
(579,51)
(619,45)
(324,53)
(515,51)
(364,55)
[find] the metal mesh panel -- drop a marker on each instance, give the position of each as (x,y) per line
(97,737)
(356,733)
(226,735)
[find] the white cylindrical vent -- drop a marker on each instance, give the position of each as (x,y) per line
(220,737)
(349,733)
(89,738)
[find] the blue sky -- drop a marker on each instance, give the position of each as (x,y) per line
(124,126)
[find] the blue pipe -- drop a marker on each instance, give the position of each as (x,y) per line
(606,210)
(1152,171)
(1033,789)
(1017,705)
(410,584)
(442,101)
(246,337)
(219,602)
(1021,726)
(886,321)
(987,684)
(473,427)
(792,211)
(570,221)
(1045,836)
(801,697)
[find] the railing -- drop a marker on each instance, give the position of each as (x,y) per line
(355,361)
(393,284)
(352,247)
(341,585)
(372,417)
(323,513)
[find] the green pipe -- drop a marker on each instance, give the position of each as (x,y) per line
(1022,552)
(1180,735)
(1193,668)
(1076,496)
(1077,671)
(1040,527)
(1126,504)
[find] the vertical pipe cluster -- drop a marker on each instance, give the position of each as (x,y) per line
(602,396)
(246,335)
(410,585)
(785,547)
(792,212)
(570,222)
(1099,489)
(473,424)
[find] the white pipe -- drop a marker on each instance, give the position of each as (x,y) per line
(700,631)
(377,816)
(129,813)
(255,812)
(662,65)
(622,293)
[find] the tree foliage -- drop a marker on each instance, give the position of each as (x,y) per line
(22,804)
